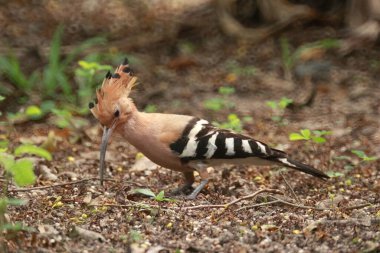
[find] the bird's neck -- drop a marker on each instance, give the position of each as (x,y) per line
(137,127)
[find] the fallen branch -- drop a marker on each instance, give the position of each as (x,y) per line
(136,205)
(258,205)
(356,207)
(232,202)
(58,185)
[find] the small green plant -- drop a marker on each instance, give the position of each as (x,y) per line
(11,68)
(1,99)
(86,77)
(278,108)
(233,122)
(158,197)
(21,170)
(54,75)
(50,80)
(363,156)
(234,68)
(31,112)
(219,103)
(315,136)
(226,90)
(135,236)
(331,173)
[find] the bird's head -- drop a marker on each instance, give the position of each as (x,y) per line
(112,106)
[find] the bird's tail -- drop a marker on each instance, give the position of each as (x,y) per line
(301,167)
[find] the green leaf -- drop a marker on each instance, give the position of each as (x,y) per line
(318,139)
(271,104)
(2,98)
(33,111)
(306,133)
(23,173)
(146,192)
(370,158)
(359,153)
(33,150)
(322,132)
(47,106)
(7,161)
(226,90)
(160,196)
(334,174)
(284,102)
(4,144)
(215,104)
(342,157)
(296,137)
(17,202)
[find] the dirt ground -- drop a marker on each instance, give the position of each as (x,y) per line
(305,214)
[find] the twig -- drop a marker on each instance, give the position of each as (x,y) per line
(257,205)
(300,206)
(291,189)
(232,202)
(57,185)
(356,207)
(136,205)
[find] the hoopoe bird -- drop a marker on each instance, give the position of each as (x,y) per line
(177,142)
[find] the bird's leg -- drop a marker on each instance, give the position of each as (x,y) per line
(189,180)
(202,170)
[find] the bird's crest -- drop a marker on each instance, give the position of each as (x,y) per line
(114,86)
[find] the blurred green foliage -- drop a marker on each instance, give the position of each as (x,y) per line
(315,136)
(221,102)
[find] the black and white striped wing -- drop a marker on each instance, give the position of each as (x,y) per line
(202,141)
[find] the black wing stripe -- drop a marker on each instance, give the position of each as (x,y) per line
(202,147)
(220,143)
(179,146)
(238,146)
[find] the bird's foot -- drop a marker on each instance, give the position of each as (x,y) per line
(182,190)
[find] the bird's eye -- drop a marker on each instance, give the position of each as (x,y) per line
(117,113)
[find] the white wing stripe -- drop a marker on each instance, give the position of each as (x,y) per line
(211,147)
(246,147)
(230,146)
(190,149)
(285,161)
(197,128)
(262,147)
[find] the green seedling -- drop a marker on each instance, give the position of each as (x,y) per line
(219,103)
(1,99)
(88,75)
(363,156)
(226,90)
(30,149)
(234,68)
(158,197)
(278,108)
(11,68)
(315,136)
(135,236)
(31,112)
(54,75)
(233,122)
(21,170)
(334,173)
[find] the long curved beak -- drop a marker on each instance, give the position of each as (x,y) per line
(103,148)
